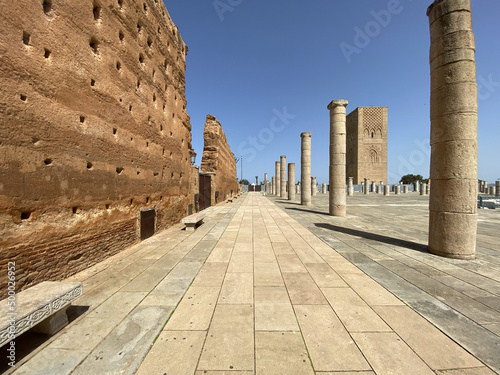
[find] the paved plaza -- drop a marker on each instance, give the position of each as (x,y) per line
(267,286)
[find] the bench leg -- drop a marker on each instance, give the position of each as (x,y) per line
(53,323)
(190,227)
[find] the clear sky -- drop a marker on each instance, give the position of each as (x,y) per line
(268,69)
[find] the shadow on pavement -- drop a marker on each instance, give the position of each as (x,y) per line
(310,211)
(376,237)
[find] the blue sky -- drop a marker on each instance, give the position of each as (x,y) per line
(268,69)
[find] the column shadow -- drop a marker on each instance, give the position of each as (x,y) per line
(376,237)
(305,210)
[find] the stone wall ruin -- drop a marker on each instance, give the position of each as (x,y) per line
(219,159)
(94,130)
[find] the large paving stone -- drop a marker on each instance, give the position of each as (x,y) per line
(195,310)
(387,354)
(281,353)
(52,361)
(436,349)
(324,334)
(127,345)
(354,313)
(230,340)
(237,288)
(174,352)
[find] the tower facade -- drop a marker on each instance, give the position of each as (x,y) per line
(366,154)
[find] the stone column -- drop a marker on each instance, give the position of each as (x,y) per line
(423,189)
(497,188)
(367,186)
(283,176)
(291,181)
(350,187)
(314,186)
(397,189)
(337,194)
(387,189)
(323,188)
(491,190)
(453,172)
(297,189)
(277,172)
(427,189)
(273,183)
(417,186)
(405,189)
(305,169)
(373,187)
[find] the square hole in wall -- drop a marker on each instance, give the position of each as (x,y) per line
(97,12)
(47,6)
(94,45)
(26,38)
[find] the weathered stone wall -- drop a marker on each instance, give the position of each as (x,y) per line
(367,144)
(93,130)
(219,159)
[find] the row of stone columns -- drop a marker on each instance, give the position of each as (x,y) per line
(453,169)
(491,190)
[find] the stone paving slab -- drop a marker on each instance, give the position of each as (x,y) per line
(182,349)
(386,237)
(255,291)
(281,353)
(127,300)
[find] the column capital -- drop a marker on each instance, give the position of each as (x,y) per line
(305,134)
(336,103)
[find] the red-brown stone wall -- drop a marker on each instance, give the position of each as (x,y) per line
(93,129)
(219,159)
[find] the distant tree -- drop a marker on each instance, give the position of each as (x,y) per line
(411,179)
(244,182)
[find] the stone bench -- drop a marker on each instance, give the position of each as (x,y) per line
(41,307)
(192,220)
(229,200)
